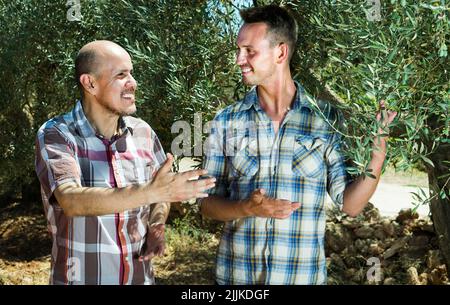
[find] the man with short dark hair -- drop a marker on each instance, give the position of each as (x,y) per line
(275,157)
(100,169)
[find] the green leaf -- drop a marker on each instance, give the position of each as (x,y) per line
(426,160)
(443,50)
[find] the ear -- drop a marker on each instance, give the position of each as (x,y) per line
(282,52)
(89,84)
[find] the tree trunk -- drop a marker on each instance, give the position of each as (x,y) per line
(440,208)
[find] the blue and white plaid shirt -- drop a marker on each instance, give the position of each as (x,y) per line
(301,163)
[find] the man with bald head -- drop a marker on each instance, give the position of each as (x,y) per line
(106,183)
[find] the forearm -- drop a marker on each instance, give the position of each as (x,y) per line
(96,201)
(222,209)
(358,193)
(159,214)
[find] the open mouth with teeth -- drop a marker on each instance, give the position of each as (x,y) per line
(128,96)
(246,70)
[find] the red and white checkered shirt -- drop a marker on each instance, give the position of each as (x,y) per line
(96,249)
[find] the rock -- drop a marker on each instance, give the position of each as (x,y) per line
(364,232)
(349,273)
(388,228)
(435,277)
(433,259)
(379,232)
(426,226)
(405,215)
(389,281)
(337,237)
(396,247)
(420,241)
(359,245)
(336,260)
(413,277)
(375,249)
(350,223)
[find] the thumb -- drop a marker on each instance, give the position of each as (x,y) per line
(259,192)
(167,166)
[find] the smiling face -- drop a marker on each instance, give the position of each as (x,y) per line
(255,55)
(115,85)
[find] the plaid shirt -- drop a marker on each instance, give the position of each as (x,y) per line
(301,163)
(96,249)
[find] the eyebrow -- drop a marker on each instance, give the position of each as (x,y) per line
(122,71)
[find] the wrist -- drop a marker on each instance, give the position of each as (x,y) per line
(152,193)
(244,206)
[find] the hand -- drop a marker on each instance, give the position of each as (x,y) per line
(262,206)
(173,187)
(385,117)
(155,243)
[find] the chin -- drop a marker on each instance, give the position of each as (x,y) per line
(130,111)
(247,81)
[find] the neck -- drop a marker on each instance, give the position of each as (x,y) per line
(276,96)
(101,119)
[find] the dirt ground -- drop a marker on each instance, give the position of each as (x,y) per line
(25,247)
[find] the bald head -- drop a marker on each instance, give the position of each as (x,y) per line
(92,57)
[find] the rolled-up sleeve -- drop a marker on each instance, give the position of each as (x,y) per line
(337,176)
(55,162)
(214,160)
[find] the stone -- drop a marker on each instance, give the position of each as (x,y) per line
(337,237)
(405,215)
(433,259)
(396,247)
(336,260)
(379,233)
(364,232)
(413,277)
(420,241)
(375,249)
(388,228)
(389,281)
(359,244)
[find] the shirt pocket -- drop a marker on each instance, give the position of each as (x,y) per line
(308,160)
(245,161)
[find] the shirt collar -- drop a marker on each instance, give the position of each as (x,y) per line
(85,128)
(251,99)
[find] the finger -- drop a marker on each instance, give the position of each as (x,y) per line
(206,187)
(201,195)
(282,214)
(167,166)
(194,173)
(295,206)
(204,183)
(262,191)
(146,257)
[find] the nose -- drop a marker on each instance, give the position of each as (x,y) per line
(132,82)
(240,58)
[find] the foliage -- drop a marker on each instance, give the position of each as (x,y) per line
(184,63)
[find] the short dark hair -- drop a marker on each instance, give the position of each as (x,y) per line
(85,62)
(281,25)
